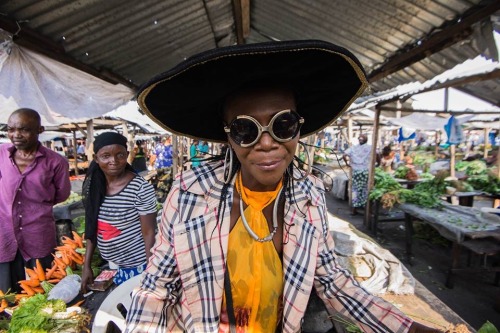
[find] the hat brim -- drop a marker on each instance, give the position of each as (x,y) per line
(187,99)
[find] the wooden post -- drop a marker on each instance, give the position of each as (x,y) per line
(371,168)
(452,160)
(74,152)
(486,139)
(437,141)
(349,143)
(89,143)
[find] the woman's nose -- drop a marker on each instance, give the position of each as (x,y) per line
(266,141)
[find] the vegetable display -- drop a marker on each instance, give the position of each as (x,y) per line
(32,311)
(390,192)
(39,315)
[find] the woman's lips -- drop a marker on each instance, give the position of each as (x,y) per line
(268,165)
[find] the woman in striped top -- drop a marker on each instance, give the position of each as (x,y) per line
(120,210)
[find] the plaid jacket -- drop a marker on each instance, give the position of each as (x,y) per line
(182,287)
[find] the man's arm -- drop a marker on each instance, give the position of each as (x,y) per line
(61,182)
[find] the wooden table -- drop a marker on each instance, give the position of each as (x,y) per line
(464,198)
(375,218)
(465,227)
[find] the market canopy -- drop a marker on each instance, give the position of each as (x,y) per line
(60,93)
(126,43)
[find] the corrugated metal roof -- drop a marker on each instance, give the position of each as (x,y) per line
(138,39)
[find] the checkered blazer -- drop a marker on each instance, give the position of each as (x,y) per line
(182,287)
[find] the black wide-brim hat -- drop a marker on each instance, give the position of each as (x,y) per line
(187,100)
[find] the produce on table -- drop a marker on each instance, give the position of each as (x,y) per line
(401,172)
(487,182)
(390,192)
(38,315)
(476,167)
(40,281)
(411,174)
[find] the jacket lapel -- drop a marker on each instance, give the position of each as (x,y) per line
(299,254)
(200,235)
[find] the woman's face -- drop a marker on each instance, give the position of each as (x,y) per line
(112,159)
(264,163)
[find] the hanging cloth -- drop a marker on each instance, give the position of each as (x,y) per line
(255,268)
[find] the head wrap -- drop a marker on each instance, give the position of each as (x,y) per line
(107,139)
(94,185)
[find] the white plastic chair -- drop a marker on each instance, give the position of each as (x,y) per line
(108,311)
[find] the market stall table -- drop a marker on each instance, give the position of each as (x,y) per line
(375,217)
(467,227)
(464,198)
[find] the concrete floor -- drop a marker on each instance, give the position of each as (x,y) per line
(474,294)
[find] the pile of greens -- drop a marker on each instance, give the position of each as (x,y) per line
(479,176)
(390,192)
(36,314)
(476,167)
(486,182)
(423,158)
(401,172)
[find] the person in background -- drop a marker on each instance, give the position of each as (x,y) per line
(358,159)
(387,159)
(32,180)
(193,154)
(80,151)
(120,211)
(164,153)
(244,241)
(204,148)
(139,157)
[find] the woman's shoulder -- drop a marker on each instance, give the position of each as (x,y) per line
(310,189)
(201,180)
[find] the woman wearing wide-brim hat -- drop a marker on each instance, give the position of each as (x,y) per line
(244,240)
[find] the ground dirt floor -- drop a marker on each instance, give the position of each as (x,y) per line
(474,295)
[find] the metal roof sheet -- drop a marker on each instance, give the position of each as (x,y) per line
(136,40)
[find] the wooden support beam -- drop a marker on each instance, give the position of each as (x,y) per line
(371,168)
(447,36)
(80,129)
(241,11)
(75,155)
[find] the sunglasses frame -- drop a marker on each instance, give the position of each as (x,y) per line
(261,129)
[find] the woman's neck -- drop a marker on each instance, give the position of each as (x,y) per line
(116,183)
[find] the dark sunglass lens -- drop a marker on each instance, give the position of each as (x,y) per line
(286,126)
(243,131)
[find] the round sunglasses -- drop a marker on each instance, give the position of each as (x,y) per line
(246,131)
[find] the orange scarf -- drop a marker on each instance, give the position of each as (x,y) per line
(255,268)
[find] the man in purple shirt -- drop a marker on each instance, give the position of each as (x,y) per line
(32,180)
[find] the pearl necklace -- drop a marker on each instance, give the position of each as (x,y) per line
(275,219)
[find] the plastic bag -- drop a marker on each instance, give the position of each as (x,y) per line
(67,289)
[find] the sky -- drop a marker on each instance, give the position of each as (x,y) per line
(457,100)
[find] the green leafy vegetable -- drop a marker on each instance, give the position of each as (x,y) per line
(34,314)
(488,328)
